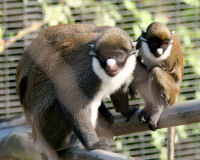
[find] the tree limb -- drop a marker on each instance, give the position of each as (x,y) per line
(179,114)
(15,142)
(32,28)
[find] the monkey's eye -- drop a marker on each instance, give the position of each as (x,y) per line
(165,43)
(155,44)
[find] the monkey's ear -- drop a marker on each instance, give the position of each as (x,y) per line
(92,53)
(134,48)
(134,44)
(138,44)
(143,31)
(92,50)
(92,46)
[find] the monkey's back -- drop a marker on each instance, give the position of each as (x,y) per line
(66,43)
(57,58)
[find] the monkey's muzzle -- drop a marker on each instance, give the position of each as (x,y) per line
(112,68)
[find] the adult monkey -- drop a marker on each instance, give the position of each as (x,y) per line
(64,75)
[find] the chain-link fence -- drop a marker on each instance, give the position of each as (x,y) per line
(20,21)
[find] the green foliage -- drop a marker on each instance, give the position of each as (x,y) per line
(57,14)
(106,14)
(194,3)
(180,133)
(159,138)
(1,32)
(143,18)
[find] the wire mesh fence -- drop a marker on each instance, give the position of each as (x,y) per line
(183,16)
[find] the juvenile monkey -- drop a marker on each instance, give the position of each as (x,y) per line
(65,73)
(158,78)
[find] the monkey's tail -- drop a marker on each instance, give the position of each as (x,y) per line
(170,142)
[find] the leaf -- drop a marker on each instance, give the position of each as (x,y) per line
(130,5)
(161,18)
(194,3)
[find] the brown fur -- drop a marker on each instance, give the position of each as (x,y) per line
(164,78)
(56,82)
(160,86)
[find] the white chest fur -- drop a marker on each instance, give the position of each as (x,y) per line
(149,59)
(109,84)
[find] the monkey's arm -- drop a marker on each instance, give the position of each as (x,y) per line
(140,78)
(120,103)
(169,87)
(104,111)
(83,129)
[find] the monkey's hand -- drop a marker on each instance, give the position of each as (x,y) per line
(151,115)
(143,117)
(101,144)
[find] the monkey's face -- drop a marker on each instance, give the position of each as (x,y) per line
(158,46)
(156,42)
(112,61)
(113,67)
(155,48)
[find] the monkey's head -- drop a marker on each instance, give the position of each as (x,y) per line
(157,40)
(112,50)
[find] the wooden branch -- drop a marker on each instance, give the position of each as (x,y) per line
(179,114)
(96,154)
(15,142)
(32,28)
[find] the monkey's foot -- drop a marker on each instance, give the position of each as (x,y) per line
(101,144)
(75,143)
(143,117)
(152,125)
(150,120)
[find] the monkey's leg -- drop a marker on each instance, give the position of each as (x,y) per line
(165,91)
(142,83)
(168,87)
(83,129)
(157,102)
(75,143)
(108,118)
(151,115)
(169,91)
(140,78)
(103,127)
(46,151)
(151,91)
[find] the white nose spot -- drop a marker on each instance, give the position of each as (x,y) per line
(160,50)
(111,62)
